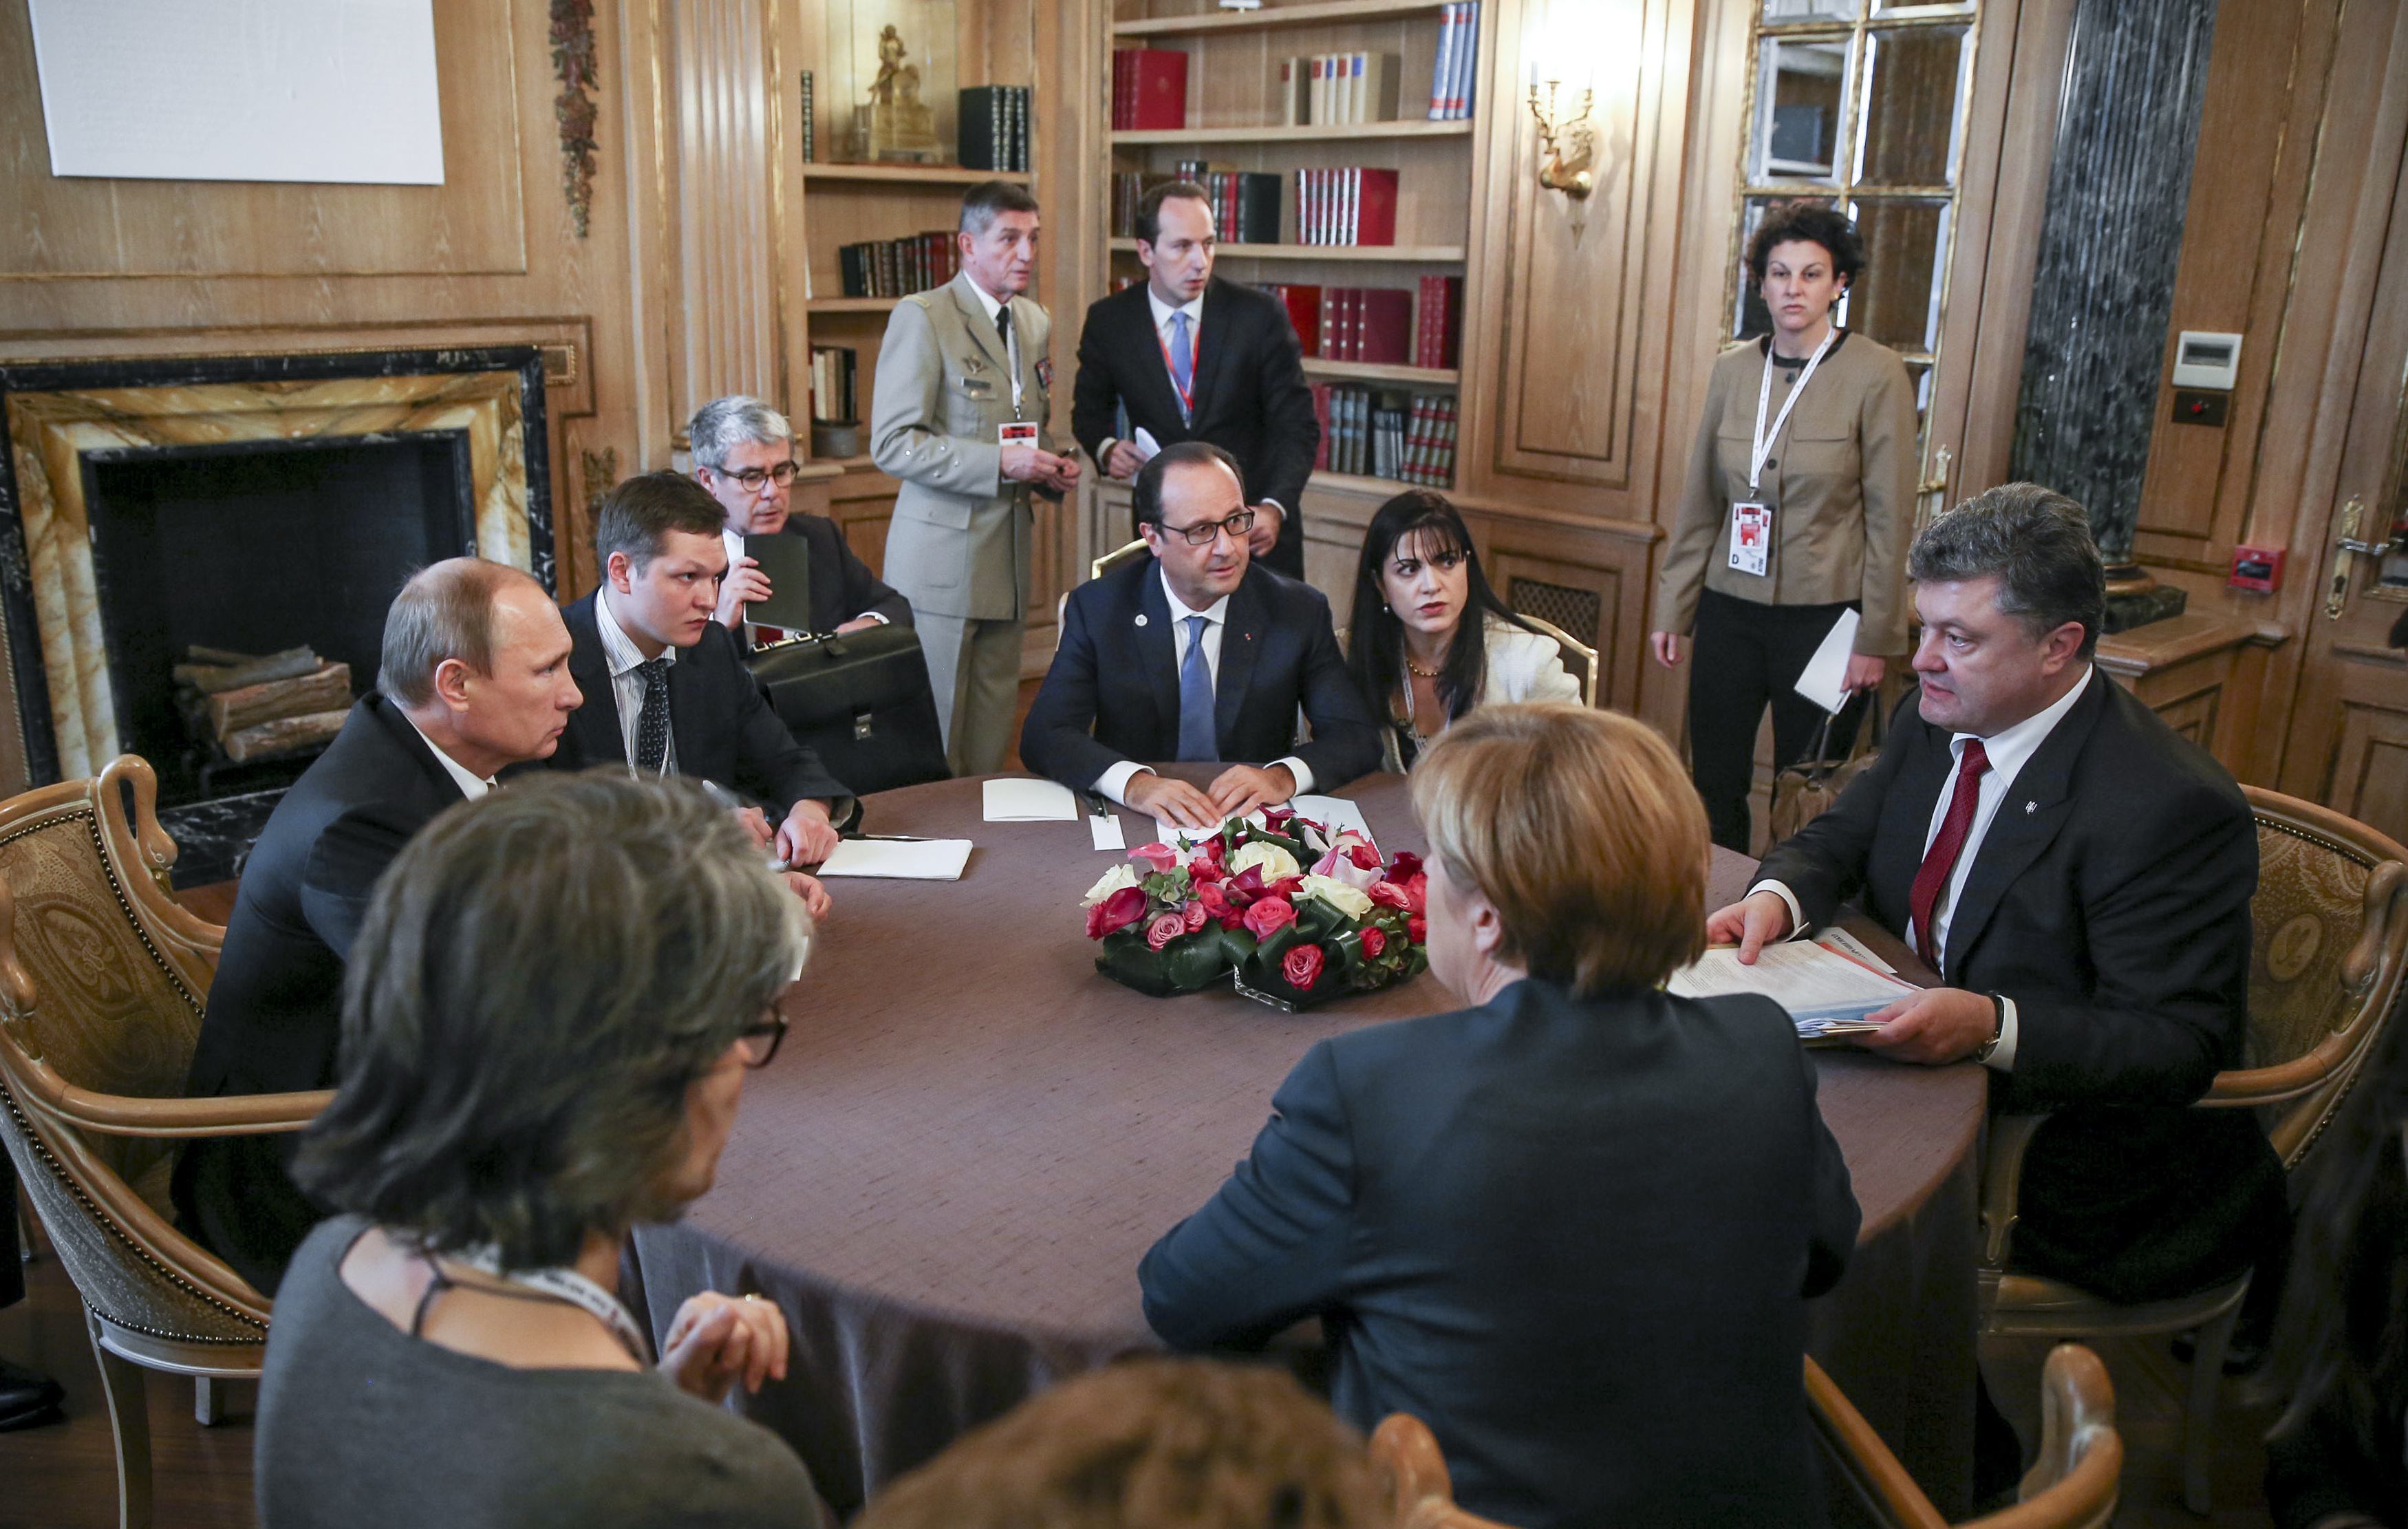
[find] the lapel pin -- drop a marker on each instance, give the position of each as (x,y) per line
(2031,807)
(1141,618)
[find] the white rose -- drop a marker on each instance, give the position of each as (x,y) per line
(1277,864)
(1345,899)
(1117,878)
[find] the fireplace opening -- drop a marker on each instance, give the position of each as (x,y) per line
(258,547)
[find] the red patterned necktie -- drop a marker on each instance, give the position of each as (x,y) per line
(1939,860)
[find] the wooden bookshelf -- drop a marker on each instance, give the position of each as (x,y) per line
(950,177)
(1320,12)
(1389,255)
(1404,127)
(1366,371)
(851,305)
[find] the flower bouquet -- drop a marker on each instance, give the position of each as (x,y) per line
(1174,920)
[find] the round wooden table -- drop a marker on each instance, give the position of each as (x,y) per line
(969,1137)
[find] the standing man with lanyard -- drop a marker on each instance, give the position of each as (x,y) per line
(959,415)
(1188,356)
(1798,505)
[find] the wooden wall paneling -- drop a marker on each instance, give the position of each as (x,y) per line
(720,172)
(2368,777)
(1614,566)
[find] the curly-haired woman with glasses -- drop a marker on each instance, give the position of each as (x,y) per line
(550,1013)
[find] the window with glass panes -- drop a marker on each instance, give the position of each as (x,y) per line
(1861,105)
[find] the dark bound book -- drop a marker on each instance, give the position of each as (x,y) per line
(787,561)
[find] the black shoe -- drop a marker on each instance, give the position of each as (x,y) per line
(27,1399)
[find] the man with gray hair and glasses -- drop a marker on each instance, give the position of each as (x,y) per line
(2079,876)
(474,678)
(744,455)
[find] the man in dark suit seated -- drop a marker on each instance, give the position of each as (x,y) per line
(474,678)
(668,689)
(1196,653)
(744,456)
(1192,357)
(2079,877)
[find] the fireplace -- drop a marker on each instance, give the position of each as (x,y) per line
(251,504)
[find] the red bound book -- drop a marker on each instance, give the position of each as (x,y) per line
(1123,88)
(1350,308)
(1321,416)
(1158,89)
(1424,321)
(1374,212)
(1304,312)
(1386,327)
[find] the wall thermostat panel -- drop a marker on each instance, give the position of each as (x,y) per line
(2206,359)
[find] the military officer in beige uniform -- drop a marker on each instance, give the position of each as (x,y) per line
(959,417)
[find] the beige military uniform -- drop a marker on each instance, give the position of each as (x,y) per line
(958,546)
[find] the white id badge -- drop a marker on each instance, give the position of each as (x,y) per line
(1751,546)
(1018,432)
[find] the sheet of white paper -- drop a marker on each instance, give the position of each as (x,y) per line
(1814,985)
(1105,828)
(1336,814)
(1836,938)
(1145,443)
(899,860)
(1825,682)
(241,89)
(1030,801)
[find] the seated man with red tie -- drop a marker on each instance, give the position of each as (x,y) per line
(2080,877)
(744,455)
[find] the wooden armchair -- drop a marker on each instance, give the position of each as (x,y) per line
(2071,1486)
(2329,935)
(1579,657)
(1421,1496)
(102,983)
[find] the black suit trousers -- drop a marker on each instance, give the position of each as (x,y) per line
(1748,656)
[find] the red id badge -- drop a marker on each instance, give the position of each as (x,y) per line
(1018,432)
(1750,543)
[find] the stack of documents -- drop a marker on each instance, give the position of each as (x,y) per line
(1828,995)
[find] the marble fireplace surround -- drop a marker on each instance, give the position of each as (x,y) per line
(58,719)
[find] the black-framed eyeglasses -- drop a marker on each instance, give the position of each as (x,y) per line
(760,1042)
(1204,531)
(751,479)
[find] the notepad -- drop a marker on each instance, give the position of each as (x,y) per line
(1030,801)
(899,860)
(1825,993)
(1824,680)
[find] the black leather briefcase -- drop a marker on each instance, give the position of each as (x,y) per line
(861,700)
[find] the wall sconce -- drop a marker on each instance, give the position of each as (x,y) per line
(1567,145)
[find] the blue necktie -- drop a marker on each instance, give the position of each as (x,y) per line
(1196,739)
(1183,365)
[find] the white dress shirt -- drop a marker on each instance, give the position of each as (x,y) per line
(994,305)
(2009,750)
(1195,312)
(471,785)
(1115,781)
(621,656)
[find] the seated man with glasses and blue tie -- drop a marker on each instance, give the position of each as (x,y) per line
(666,688)
(1198,654)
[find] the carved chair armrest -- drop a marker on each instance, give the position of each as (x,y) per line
(2002,1177)
(122,1114)
(1859,1450)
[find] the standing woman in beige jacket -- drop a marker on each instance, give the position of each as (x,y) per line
(1798,505)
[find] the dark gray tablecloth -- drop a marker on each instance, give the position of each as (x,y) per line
(949,1174)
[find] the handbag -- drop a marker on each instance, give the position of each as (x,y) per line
(1803,791)
(861,702)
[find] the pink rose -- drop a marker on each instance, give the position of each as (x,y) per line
(1417,928)
(1165,928)
(1160,856)
(1194,916)
(1387,894)
(1268,917)
(1301,966)
(1373,941)
(1116,912)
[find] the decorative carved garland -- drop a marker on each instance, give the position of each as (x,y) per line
(572,60)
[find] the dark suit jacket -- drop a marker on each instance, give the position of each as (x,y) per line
(1575,1237)
(723,726)
(1113,692)
(2110,900)
(275,1008)
(842,586)
(1251,396)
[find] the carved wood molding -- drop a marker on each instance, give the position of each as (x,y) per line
(572,61)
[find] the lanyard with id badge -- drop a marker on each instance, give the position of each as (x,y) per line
(1750,543)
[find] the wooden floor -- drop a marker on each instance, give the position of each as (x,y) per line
(65,1476)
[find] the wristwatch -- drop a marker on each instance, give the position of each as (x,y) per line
(1998,1029)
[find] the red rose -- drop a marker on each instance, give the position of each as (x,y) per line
(1268,917)
(1160,856)
(1363,857)
(1417,928)
(1285,886)
(1116,912)
(1165,928)
(1211,898)
(1194,916)
(1387,894)
(1407,864)
(1301,966)
(1417,891)
(1203,872)
(1373,941)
